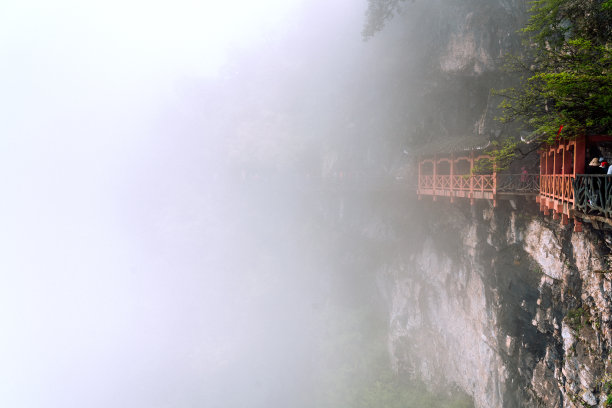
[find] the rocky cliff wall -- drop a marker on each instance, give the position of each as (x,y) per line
(505,304)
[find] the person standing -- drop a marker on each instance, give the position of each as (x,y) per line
(603,166)
(593,167)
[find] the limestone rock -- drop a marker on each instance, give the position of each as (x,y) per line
(465,313)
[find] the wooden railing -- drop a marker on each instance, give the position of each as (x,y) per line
(426,182)
(443,182)
(558,187)
(502,183)
(593,194)
(483,183)
(461,183)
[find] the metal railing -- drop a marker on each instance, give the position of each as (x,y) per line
(519,183)
(593,194)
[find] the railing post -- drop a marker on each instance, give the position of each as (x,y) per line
(472,177)
(579,162)
(557,191)
(564,219)
(494,184)
(545,186)
(451,184)
(563,186)
(554,172)
(577,225)
(607,190)
(419,186)
(542,172)
(435,175)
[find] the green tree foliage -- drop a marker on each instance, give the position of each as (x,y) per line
(566,70)
(553,22)
(502,153)
(572,88)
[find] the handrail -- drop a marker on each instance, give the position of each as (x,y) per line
(593,194)
(500,183)
(558,187)
(523,183)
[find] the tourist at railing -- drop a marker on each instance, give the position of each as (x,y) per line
(593,167)
(603,165)
(524,174)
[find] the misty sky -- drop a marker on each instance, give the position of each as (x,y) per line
(119,247)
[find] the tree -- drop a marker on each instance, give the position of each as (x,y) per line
(553,22)
(566,71)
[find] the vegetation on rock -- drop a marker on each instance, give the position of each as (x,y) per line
(565,73)
(574,318)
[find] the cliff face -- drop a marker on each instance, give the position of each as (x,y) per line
(464,44)
(505,304)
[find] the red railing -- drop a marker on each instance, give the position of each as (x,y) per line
(501,183)
(483,183)
(443,182)
(426,182)
(558,187)
(462,183)
(446,183)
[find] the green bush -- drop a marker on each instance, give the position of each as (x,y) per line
(574,318)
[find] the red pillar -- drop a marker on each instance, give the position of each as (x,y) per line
(472,177)
(419,182)
(551,178)
(568,164)
(555,172)
(540,170)
(577,225)
(546,178)
(494,184)
(563,158)
(579,155)
(579,163)
(563,184)
(452,172)
(564,219)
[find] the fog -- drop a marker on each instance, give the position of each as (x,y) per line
(156,249)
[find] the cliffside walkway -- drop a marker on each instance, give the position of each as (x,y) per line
(566,190)
(565,186)
(452,176)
